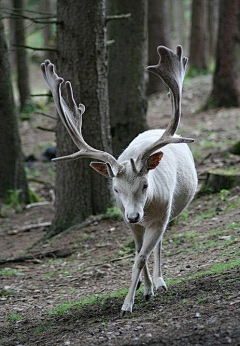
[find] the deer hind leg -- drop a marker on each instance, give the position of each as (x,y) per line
(150,239)
(157,272)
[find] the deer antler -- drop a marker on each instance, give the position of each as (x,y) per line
(171,69)
(71,116)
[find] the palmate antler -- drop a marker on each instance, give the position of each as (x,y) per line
(171,69)
(71,116)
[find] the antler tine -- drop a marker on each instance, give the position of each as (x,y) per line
(171,69)
(71,117)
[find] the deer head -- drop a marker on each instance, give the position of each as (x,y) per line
(130,177)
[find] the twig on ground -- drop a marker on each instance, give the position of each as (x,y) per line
(60,253)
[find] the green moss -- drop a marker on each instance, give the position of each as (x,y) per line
(231,171)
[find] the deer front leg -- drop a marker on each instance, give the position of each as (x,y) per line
(151,238)
(138,234)
(157,272)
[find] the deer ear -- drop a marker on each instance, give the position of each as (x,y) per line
(154,160)
(101,168)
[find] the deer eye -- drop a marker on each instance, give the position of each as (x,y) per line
(116,190)
(145,186)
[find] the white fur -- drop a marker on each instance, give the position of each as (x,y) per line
(171,187)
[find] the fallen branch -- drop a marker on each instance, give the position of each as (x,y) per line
(45,129)
(37,204)
(51,254)
(29,227)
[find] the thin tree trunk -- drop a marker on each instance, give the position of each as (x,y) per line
(81,46)
(22,60)
(198,43)
(12,174)
(158,35)
(48,6)
(225,91)
(213,20)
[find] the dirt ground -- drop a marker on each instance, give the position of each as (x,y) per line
(69,291)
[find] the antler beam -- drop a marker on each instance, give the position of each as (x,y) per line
(171,69)
(71,117)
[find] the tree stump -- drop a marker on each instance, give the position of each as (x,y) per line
(235,149)
(222,178)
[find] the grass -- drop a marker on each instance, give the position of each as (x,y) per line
(219,268)
(207,214)
(14,318)
(9,272)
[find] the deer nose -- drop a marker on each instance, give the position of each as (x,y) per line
(133,218)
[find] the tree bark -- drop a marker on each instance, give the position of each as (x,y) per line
(198,42)
(127,72)
(225,91)
(22,60)
(12,174)
(81,46)
(158,35)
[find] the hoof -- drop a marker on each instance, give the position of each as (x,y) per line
(161,285)
(124,313)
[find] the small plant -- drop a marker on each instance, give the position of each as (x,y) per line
(114,212)
(223,194)
(33,197)
(14,317)
(13,199)
(202,299)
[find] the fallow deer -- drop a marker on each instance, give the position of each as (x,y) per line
(151,186)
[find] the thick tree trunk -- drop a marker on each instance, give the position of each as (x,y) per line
(225,91)
(158,35)
(22,61)
(198,43)
(81,46)
(127,72)
(12,174)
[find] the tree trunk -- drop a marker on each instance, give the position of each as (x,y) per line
(81,46)
(198,43)
(12,174)
(48,6)
(158,35)
(22,61)
(225,91)
(127,72)
(213,20)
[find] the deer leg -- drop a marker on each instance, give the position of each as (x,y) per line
(151,238)
(138,234)
(157,272)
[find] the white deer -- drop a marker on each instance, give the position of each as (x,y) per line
(148,194)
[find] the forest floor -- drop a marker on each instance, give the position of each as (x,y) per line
(69,290)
